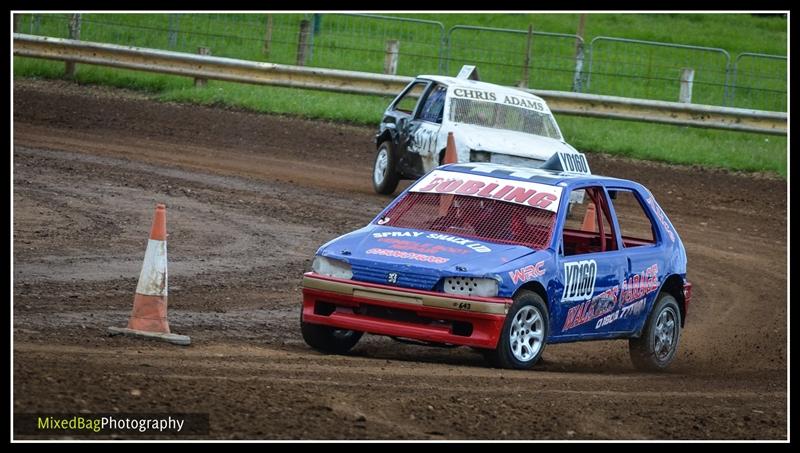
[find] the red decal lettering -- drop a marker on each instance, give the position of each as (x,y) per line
(502,192)
(519,195)
(542,200)
(487,191)
(432,184)
(517,276)
(449,186)
(469,188)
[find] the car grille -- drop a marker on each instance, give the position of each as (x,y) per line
(406,279)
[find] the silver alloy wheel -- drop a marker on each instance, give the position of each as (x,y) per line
(381,164)
(527,333)
(665,333)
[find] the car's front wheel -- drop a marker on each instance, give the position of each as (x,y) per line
(655,349)
(384,172)
(329,340)
(524,333)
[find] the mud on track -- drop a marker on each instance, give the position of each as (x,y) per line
(250,198)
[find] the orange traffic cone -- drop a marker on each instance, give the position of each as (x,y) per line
(589,219)
(149,315)
(450,155)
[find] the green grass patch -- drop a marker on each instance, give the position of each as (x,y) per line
(357,43)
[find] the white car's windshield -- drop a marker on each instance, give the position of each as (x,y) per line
(503,116)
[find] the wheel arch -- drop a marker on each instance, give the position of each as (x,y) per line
(535,287)
(388,134)
(673,285)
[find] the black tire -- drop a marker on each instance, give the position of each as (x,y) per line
(649,352)
(329,339)
(390,178)
(504,355)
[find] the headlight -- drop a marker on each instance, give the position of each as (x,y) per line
(332,268)
(479,156)
(470,286)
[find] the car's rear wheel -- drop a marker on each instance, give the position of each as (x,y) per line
(329,340)
(384,172)
(655,349)
(524,333)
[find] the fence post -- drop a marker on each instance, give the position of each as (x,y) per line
(687,78)
(74,33)
(200,82)
(577,81)
(525,69)
(172,30)
(36,23)
(317,23)
(390,61)
(302,42)
(16,23)
(267,36)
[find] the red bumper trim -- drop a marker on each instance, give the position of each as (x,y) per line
(346,295)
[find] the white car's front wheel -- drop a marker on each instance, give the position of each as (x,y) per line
(384,173)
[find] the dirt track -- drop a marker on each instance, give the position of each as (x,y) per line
(250,198)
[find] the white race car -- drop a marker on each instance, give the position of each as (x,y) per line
(490,123)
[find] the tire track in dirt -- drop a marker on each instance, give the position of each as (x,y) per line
(250,197)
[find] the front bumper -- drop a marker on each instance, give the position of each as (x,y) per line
(401,312)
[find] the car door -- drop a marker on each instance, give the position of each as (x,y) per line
(421,149)
(643,248)
(591,268)
(403,111)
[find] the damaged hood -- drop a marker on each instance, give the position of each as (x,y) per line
(513,143)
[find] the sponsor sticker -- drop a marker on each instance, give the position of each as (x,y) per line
(500,98)
(661,217)
(519,192)
(408,255)
(527,273)
(594,308)
(639,285)
(468,243)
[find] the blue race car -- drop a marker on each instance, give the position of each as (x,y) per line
(498,259)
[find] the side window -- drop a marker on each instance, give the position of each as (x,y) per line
(433,108)
(587,228)
(409,100)
(635,226)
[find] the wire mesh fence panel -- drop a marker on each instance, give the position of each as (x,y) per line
(759,82)
(652,70)
(54,25)
(358,42)
(501,56)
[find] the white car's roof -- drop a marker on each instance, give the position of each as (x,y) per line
(474,84)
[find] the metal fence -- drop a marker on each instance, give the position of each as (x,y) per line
(652,70)
(405,46)
(526,58)
(760,80)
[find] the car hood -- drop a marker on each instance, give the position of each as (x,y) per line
(420,258)
(509,142)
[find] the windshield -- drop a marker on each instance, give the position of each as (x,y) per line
(503,116)
(487,219)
